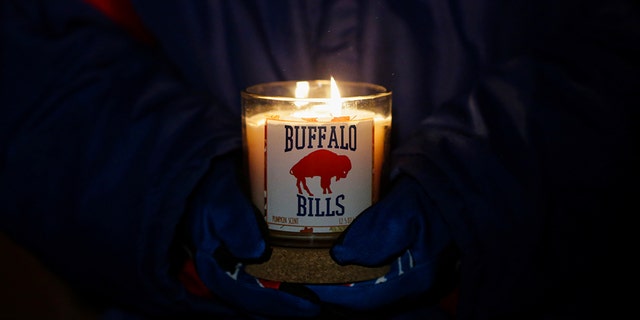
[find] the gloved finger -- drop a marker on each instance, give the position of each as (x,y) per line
(408,279)
(229,264)
(227,215)
(403,280)
(236,287)
(385,230)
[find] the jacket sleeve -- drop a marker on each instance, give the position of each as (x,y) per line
(101,146)
(530,170)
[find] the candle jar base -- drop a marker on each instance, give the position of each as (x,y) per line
(310,266)
(302,239)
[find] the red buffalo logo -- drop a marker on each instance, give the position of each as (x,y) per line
(321,163)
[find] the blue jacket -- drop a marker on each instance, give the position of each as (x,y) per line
(525,111)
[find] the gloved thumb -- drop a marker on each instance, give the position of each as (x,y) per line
(227,215)
(385,230)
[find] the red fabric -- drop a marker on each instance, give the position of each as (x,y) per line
(270,284)
(191,281)
(450,302)
(123,13)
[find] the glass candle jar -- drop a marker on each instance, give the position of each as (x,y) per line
(315,153)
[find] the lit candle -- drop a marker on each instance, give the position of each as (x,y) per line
(315,157)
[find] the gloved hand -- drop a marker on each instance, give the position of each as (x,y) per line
(228,231)
(404,230)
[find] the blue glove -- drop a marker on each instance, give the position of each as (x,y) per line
(405,231)
(228,231)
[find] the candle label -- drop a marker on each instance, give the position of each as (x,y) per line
(318,175)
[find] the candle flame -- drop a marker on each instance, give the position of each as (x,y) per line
(330,108)
(302,91)
(336,102)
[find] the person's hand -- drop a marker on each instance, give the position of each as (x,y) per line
(228,231)
(403,230)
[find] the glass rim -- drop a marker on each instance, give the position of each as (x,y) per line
(378,91)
